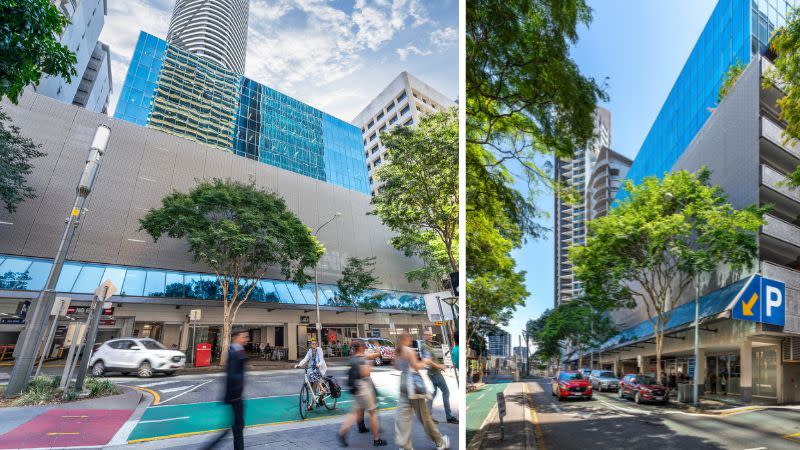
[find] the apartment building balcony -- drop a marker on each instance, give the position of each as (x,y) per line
(779,241)
(772,190)
(773,150)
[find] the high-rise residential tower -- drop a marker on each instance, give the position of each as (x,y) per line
(400,103)
(571,216)
(605,180)
(213,29)
(91,87)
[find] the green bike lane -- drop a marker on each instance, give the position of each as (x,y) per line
(171,421)
(479,405)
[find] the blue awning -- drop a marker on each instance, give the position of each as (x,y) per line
(711,304)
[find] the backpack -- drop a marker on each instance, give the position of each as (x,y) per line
(336,390)
(352,377)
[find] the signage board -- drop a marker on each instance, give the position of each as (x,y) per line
(761,300)
(194,315)
(60,306)
(22,309)
(438,323)
(304,319)
(376,332)
(691,368)
(11,321)
(446,356)
(108,322)
(501,404)
(84,310)
(437,308)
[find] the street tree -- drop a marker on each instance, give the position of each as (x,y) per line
(357,284)
(418,198)
(666,232)
(241,233)
(16,153)
(30,45)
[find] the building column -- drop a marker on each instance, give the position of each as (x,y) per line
(183,344)
(746,370)
(640,363)
(291,341)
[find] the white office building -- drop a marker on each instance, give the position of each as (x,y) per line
(402,102)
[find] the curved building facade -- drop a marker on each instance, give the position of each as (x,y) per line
(214,29)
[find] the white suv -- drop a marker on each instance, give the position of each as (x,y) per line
(143,356)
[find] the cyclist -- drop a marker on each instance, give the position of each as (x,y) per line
(316,367)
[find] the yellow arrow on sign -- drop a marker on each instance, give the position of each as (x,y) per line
(747,307)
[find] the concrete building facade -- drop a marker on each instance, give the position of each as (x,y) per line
(159,283)
(92,86)
(402,102)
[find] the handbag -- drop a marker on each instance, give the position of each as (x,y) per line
(415,386)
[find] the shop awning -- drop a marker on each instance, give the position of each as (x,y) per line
(711,305)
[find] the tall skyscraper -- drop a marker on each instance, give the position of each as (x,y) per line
(173,90)
(499,344)
(400,103)
(213,29)
(605,180)
(571,217)
(91,87)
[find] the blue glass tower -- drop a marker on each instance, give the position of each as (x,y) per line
(173,90)
(737,31)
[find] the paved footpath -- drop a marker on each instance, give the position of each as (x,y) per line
(515,432)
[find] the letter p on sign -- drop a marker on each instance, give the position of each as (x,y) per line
(774,306)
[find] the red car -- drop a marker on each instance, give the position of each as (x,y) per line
(571,384)
(642,388)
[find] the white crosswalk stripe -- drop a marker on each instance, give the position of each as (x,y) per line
(159,383)
(181,388)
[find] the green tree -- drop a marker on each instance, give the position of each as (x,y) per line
(240,232)
(651,247)
(419,196)
(16,152)
(356,285)
(30,45)
(734,72)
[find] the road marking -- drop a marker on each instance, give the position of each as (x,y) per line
(156,396)
(186,392)
(537,428)
(59,434)
(757,448)
(793,437)
(159,383)
(164,420)
(179,388)
(74,417)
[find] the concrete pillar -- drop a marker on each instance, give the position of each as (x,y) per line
(640,364)
(291,331)
(616,367)
(746,370)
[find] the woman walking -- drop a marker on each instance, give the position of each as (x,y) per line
(407,362)
(316,367)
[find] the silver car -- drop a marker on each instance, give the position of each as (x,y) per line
(141,355)
(604,380)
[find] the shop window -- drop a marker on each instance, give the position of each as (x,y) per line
(134,282)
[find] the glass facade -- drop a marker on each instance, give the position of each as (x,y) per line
(30,274)
(736,31)
(172,90)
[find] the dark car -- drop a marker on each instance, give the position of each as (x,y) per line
(642,388)
(571,384)
(604,380)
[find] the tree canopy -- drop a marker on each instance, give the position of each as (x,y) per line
(418,194)
(241,233)
(16,152)
(655,242)
(356,283)
(30,46)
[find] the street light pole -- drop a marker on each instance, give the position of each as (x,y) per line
(30,338)
(696,380)
(316,280)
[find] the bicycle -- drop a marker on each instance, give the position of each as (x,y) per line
(310,401)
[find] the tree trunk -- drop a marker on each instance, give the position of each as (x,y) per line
(358,330)
(659,337)
(453,263)
(226,342)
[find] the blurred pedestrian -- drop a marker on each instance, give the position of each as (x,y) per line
(435,368)
(234,387)
(363,390)
(413,399)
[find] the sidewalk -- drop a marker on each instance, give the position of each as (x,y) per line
(92,422)
(517,431)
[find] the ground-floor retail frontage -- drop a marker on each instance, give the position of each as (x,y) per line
(285,331)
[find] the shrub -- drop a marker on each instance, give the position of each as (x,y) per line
(40,390)
(101,388)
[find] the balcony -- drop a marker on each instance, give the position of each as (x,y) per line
(785,200)
(783,156)
(779,241)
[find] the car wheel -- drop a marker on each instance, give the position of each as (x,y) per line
(637,398)
(169,373)
(145,370)
(560,398)
(98,368)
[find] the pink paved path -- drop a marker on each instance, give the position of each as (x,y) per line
(67,428)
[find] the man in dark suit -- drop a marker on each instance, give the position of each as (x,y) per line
(234,386)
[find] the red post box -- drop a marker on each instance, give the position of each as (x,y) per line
(202,355)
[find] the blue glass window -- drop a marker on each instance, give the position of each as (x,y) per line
(174,286)
(67,278)
(283,292)
(155,283)
(134,282)
(36,276)
(405,110)
(90,277)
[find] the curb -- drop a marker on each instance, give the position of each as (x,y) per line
(121,437)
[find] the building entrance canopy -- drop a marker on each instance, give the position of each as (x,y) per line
(711,305)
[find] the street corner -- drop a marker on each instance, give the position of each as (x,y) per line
(61,428)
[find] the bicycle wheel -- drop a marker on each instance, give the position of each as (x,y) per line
(328,400)
(305,401)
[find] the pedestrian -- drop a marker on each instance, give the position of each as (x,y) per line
(723,383)
(435,368)
(234,387)
(713,382)
(409,403)
(363,391)
(316,367)
(454,354)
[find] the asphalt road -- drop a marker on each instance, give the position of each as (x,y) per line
(608,422)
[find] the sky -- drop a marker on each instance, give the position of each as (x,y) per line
(638,49)
(335,55)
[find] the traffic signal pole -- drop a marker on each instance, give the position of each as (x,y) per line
(32,335)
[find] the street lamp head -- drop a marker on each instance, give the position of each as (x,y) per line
(101,136)
(669,196)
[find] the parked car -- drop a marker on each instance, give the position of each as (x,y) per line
(144,356)
(384,346)
(642,388)
(571,384)
(604,380)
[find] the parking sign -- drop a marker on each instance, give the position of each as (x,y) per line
(761,300)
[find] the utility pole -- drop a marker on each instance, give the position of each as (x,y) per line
(106,290)
(33,333)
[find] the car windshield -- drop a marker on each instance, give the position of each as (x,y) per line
(375,342)
(153,345)
(571,376)
(606,375)
(644,379)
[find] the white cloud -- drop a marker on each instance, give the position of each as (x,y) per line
(411,50)
(444,38)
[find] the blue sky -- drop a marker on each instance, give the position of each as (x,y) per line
(334,55)
(640,47)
